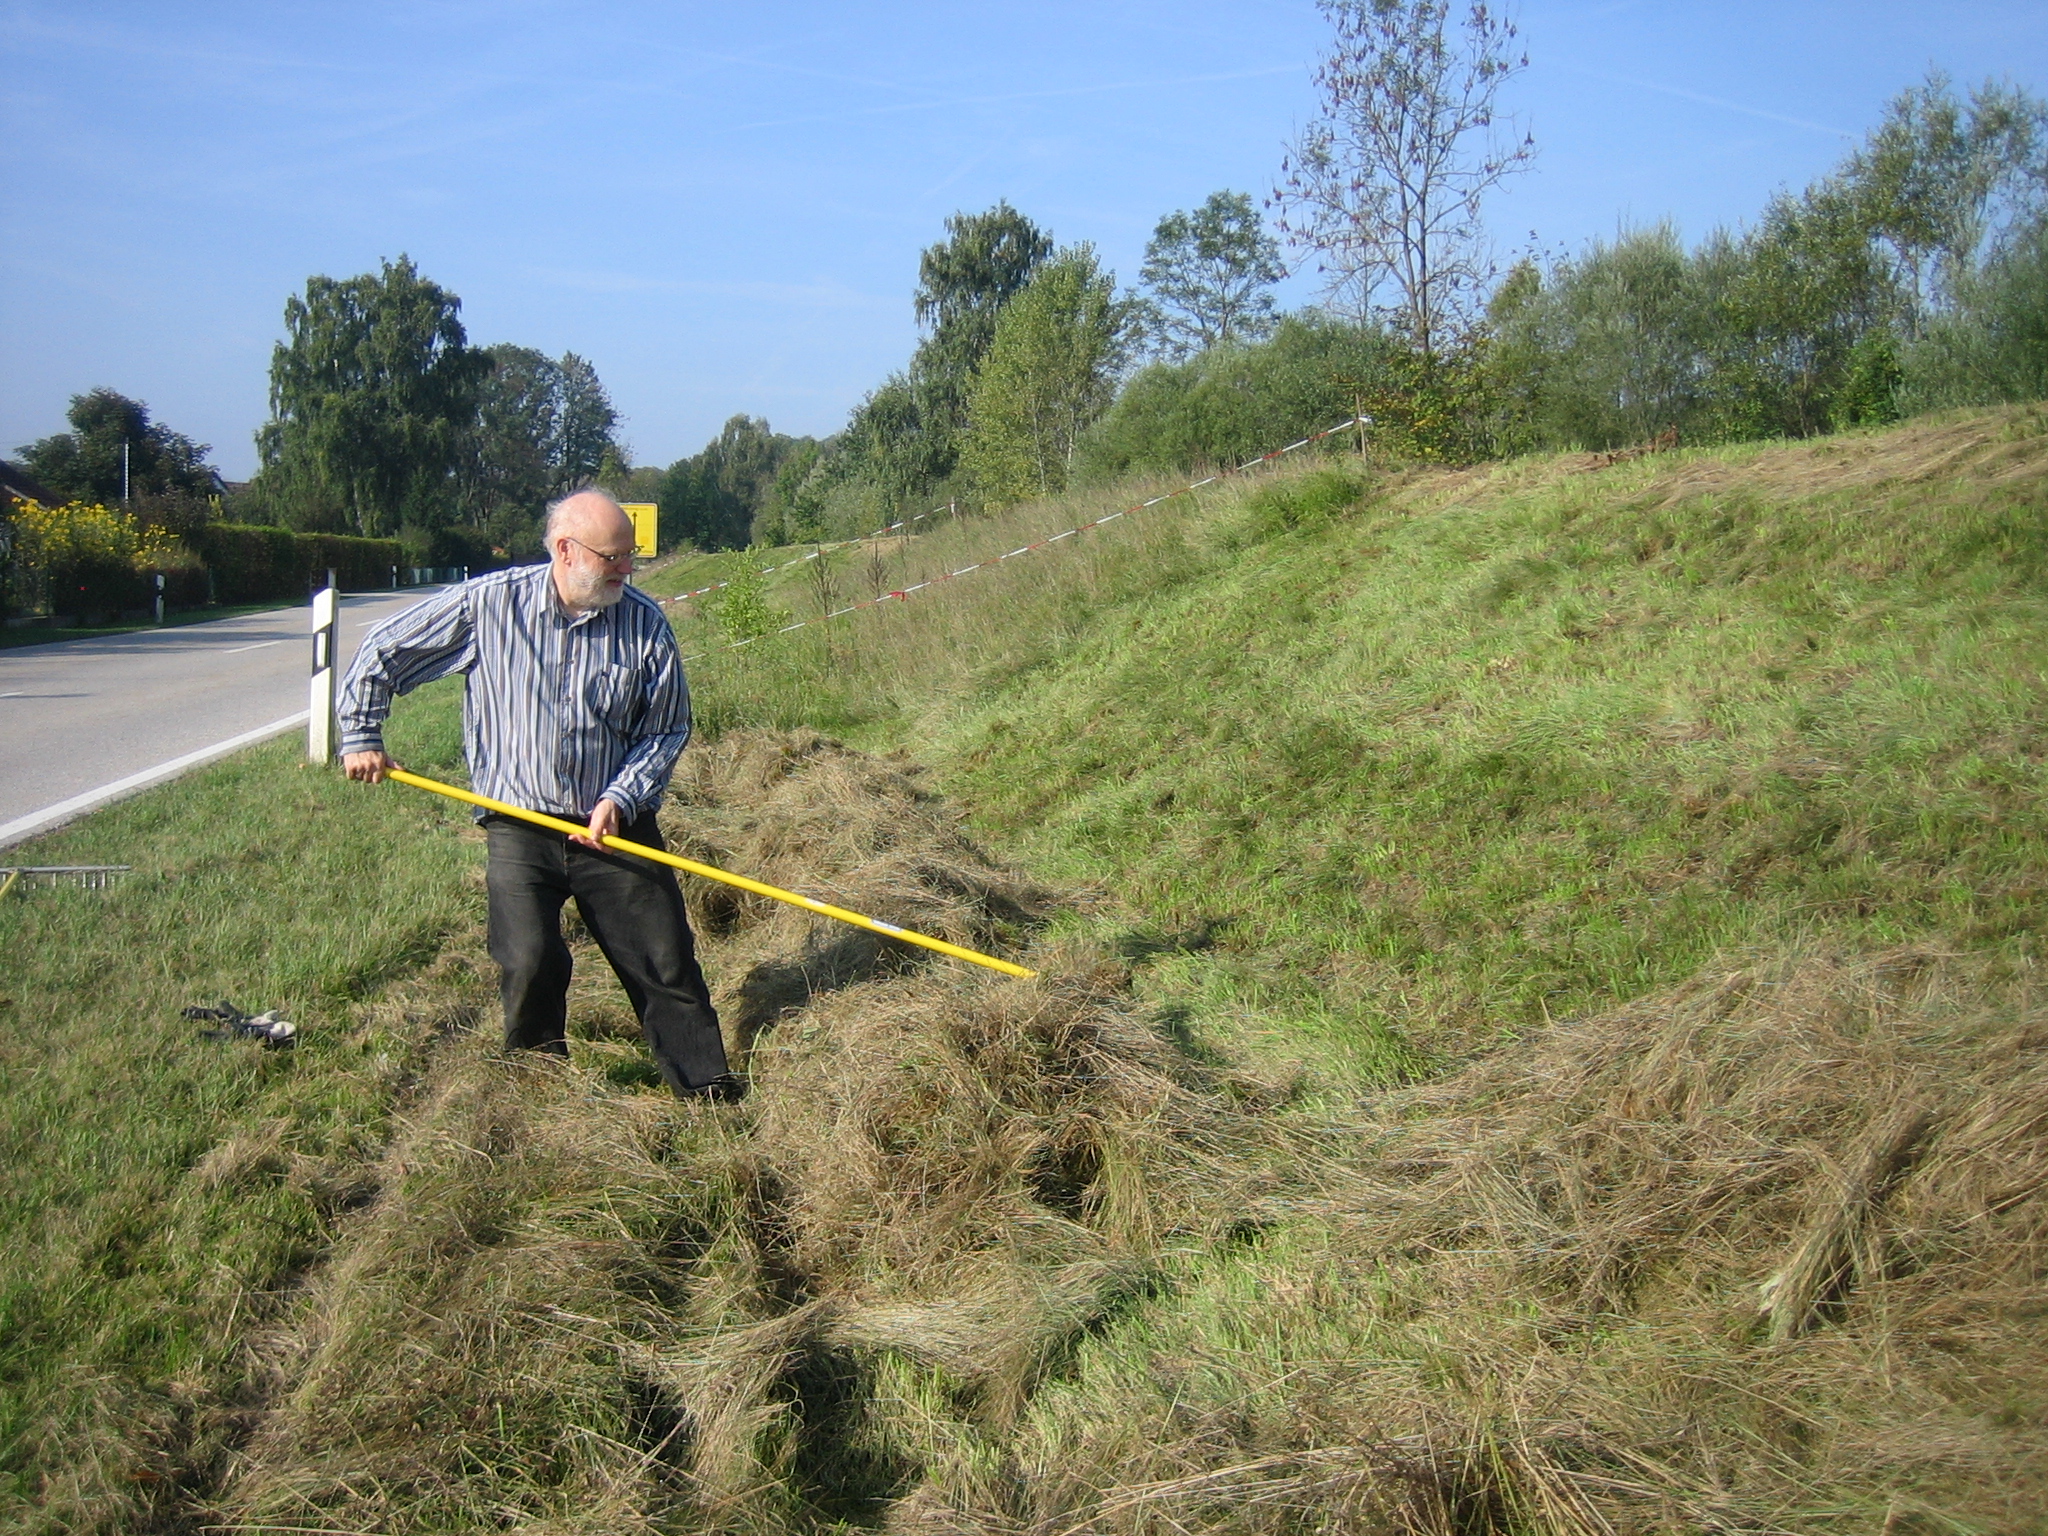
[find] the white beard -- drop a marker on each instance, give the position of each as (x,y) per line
(587,590)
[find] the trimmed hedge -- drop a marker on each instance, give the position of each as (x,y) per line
(252,564)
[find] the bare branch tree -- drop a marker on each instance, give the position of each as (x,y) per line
(1385,186)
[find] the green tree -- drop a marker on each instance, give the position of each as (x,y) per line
(1994,345)
(1051,370)
(1939,180)
(371,397)
(965,280)
(1610,349)
(1210,273)
(543,427)
(509,466)
(715,497)
(1385,186)
(1790,301)
(900,438)
(587,424)
(85,464)
(903,439)
(963,284)
(794,511)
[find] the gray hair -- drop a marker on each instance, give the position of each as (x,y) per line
(554,522)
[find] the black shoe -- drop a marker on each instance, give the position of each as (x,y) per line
(726,1088)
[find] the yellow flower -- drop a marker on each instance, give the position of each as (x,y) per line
(47,538)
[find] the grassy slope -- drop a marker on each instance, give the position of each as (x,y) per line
(1362,782)
(1493,746)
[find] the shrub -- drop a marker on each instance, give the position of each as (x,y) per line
(448,546)
(252,564)
(86,559)
(742,609)
(1995,346)
(1231,404)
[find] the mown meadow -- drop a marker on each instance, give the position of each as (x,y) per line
(1538,1032)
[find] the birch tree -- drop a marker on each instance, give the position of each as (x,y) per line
(1051,370)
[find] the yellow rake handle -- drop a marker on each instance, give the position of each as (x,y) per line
(710,872)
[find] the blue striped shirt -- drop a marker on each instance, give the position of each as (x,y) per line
(560,710)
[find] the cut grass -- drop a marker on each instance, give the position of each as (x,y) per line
(1538,1033)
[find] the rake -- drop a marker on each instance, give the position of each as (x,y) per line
(91,877)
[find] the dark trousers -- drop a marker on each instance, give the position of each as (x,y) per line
(635,912)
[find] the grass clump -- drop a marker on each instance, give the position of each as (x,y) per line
(1298,501)
(1756,1253)
(577,1306)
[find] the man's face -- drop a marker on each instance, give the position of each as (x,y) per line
(592,563)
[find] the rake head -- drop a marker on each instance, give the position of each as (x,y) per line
(30,877)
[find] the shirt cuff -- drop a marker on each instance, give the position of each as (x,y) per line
(629,808)
(361,741)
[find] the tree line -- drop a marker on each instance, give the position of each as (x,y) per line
(385,423)
(1913,275)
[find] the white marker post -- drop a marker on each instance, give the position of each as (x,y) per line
(320,718)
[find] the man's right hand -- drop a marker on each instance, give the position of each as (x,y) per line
(369,767)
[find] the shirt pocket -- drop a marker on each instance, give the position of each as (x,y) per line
(614,696)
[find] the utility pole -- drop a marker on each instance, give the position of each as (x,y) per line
(124,471)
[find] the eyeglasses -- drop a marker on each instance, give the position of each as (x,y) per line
(624,557)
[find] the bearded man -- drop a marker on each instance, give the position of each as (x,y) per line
(575,704)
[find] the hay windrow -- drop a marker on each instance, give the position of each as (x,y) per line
(1000,1257)
(1672,1268)
(576,1299)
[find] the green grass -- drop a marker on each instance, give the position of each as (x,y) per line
(1441,758)
(127,1286)
(1348,780)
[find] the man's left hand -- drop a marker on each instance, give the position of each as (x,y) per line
(606,821)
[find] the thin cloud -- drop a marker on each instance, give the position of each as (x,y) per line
(810,295)
(1708,101)
(971,163)
(25,26)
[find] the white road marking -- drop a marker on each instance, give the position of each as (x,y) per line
(261,645)
(17,693)
(40,821)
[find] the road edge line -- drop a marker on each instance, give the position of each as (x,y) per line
(53,816)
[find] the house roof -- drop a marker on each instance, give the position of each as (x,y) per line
(19,485)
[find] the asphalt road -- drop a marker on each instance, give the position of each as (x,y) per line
(87,721)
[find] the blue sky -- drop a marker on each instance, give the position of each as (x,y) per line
(722,206)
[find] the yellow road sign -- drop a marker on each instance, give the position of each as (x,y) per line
(646,517)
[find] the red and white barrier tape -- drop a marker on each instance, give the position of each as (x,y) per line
(1045,543)
(822,549)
